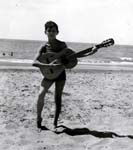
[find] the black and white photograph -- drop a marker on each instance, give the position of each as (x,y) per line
(66,75)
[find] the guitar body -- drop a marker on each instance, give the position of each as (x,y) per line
(65,62)
(69,60)
(50,72)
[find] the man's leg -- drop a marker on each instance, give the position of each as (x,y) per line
(59,86)
(46,84)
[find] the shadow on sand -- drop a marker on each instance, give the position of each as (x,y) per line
(85,131)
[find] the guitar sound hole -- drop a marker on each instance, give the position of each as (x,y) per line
(51,71)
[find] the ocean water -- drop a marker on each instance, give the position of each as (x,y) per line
(27,49)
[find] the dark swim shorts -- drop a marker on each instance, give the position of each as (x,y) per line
(61,77)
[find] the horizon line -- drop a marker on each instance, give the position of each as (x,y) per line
(66,41)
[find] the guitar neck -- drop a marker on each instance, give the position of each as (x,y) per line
(88,50)
(105,43)
(78,54)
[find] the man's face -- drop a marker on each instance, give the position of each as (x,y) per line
(51,32)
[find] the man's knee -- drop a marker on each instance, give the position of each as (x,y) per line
(42,92)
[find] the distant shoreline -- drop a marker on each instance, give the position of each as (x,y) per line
(27,64)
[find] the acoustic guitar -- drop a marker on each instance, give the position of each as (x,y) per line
(66,60)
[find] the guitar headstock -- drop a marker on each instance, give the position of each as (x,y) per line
(106,43)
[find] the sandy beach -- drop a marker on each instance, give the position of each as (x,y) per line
(97,108)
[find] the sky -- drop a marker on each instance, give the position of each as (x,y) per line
(90,21)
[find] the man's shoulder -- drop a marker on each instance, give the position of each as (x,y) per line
(59,41)
(62,43)
(42,48)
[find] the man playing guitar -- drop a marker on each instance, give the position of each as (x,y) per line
(59,48)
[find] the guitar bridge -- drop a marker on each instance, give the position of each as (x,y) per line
(47,60)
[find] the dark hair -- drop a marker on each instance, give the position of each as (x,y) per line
(51,24)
